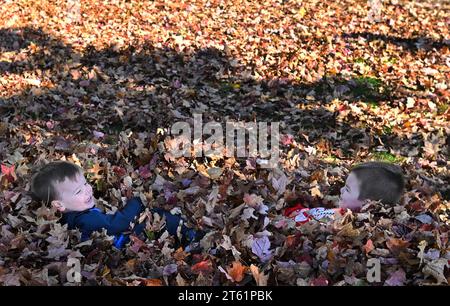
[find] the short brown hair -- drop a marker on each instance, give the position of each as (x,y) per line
(380,181)
(42,183)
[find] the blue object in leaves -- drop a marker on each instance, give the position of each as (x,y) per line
(116,224)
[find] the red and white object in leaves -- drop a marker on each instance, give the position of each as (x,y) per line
(302,214)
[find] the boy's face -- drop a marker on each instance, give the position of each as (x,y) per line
(350,193)
(74,195)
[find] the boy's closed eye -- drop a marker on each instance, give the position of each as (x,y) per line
(79,190)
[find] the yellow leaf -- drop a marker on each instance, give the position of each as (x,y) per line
(105,271)
(301,13)
(3,128)
(316,192)
(422,246)
(75,159)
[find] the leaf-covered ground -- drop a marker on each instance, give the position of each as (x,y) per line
(102,91)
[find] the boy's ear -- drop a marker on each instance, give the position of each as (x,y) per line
(58,205)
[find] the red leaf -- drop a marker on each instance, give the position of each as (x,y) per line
(119,171)
(287,139)
(202,267)
(293,240)
(369,246)
(9,173)
(144,171)
(320,281)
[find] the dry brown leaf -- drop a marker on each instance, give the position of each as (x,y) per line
(436,269)
(348,231)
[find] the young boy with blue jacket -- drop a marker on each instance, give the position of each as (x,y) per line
(63,185)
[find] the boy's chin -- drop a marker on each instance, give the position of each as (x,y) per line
(352,205)
(92,203)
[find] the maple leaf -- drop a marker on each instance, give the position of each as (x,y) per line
(204,267)
(396,245)
(179,254)
(253,200)
(95,170)
(236,271)
(368,247)
(9,173)
(287,139)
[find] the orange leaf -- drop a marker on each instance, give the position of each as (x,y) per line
(202,267)
(180,254)
(237,271)
(152,282)
(130,264)
(95,170)
(290,240)
(368,247)
(397,245)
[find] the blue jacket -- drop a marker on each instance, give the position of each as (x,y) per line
(94,219)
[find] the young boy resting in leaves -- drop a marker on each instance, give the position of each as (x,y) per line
(63,185)
(376,181)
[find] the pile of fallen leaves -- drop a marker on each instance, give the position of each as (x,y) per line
(103,88)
